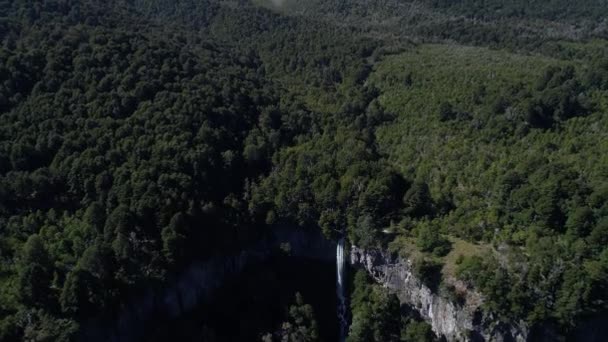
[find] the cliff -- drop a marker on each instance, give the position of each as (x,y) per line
(197,282)
(450,320)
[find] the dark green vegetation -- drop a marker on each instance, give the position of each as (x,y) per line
(377,316)
(273,301)
(137,136)
(518,156)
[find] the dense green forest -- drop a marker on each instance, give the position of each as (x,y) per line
(137,136)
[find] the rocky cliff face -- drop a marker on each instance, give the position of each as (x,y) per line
(197,282)
(454,322)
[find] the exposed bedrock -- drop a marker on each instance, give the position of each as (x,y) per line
(453,321)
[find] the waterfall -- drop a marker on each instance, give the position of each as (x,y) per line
(340,290)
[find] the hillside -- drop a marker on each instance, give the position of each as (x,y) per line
(140,136)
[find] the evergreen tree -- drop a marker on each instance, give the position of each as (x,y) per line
(35,273)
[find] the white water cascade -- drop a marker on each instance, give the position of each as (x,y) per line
(340,290)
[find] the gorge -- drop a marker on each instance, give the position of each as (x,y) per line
(201,281)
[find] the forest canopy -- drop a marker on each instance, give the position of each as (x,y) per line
(137,136)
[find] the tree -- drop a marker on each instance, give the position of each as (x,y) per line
(417,332)
(598,238)
(417,200)
(95,216)
(301,325)
(98,260)
(119,222)
(35,272)
(44,327)
(580,221)
(78,293)
(375,312)
(547,208)
(386,315)
(365,231)
(446,112)
(430,240)
(361,326)
(174,238)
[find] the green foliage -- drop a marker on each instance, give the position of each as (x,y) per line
(95,216)
(580,221)
(116,135)
(174,238)
(47,328)
(417,200)
(90,286)
(355,192)
(554,9)
(417,332)
(301,325)
(375,313)
(446,111)
(35,270)
(77,292)
(377,316)
(559,98)
(532,188)
(509,292)
(430,240)
(136,136)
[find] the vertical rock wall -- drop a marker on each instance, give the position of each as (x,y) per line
(197,282)
(452,321)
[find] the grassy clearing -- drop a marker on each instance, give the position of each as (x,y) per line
(406,247)
(461,248)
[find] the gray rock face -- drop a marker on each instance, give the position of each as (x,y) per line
(450,320)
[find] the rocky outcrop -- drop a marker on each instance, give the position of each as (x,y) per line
(193,285)
(454,322)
